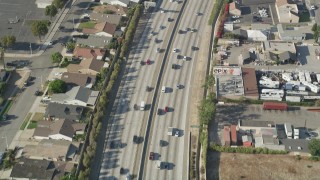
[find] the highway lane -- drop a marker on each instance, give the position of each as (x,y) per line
(125,122)
(174,153)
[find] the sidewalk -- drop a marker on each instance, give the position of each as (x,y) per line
(52,31)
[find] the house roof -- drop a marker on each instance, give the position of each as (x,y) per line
(256,34)
(95,41)
(275,46)
(115,8)
(49,148)
(63,111)
(92,64)
(33,169)
(101,17)
(292,31)
(86,64)
(253,123)
(76,79)
(233,6)
(101,27)
(76,93)
(88,52)
(62,126)
(250,82)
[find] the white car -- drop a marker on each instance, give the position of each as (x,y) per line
(50,43)
(312,7)
(175,50)
(185,58)
(235,16)
(236,21)
(162,11)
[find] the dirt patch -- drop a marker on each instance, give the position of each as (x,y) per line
(249,166)
(37,116)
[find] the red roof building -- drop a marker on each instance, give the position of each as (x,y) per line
(234,140)
(226,136)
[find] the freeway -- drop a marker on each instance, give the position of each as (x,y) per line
(120,151)
(175,151)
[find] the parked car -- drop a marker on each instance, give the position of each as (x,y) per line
(37,93)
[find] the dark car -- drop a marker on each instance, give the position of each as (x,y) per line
(159,112)
(148,88)
(170,19)
(37,93)
(193,48)
(181,31)
(151,156)
(11,64)
(5,117)
(61,27)
(175,66)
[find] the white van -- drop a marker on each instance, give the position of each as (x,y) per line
(142,106)
(163,89)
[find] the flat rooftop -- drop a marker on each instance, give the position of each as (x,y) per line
(250,82)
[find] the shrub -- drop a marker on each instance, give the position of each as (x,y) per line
(57,86)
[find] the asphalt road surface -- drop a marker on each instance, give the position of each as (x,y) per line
(120,150)
(175,151)
(40,68)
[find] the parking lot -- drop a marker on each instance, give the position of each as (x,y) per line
(250,11)
(25,12)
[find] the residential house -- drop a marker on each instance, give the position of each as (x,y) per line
(124,3)
(290,33)
(43,3)
(287,13)
(56,111)
(87,66)
(77,96)
(39,169)
(257,35)
(234,9)
(51,149)
(119,10)
(101,17)
(76,79)
(61,129)
(84,52)
(94,41)
(279,51)
(101,29)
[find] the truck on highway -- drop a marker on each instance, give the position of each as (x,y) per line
(170,131)
(288,129)
(142,106)
(275,106)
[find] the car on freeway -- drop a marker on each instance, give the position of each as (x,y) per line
(152,33)
(198,14)
(178,86)
(148,62)
(151,156)
(166,109)
(193,48)
(159,112)
(162,27)
(162,11)
(158,50)
(148,88)
(170,19)
(162,143)
(193,30)
(177,133)
(175,66)
(142,63)
(180,31)
(175,50)
(185,58)
(188,29)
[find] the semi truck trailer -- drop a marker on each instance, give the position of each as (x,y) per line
(275,106)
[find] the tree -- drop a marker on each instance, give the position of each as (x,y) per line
(70,45)
(39,28)
(58,3)
(57,86)
(56,57)
(314,147)
(314,27)
(51,11)
(8,41)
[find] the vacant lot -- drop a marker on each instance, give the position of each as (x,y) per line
(248,166)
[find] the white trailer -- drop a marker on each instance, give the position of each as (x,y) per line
(272,94)
(312,87)
(293,98)
(308,77)
(297,93)
(296,133)
(288,129)
(302,77)
(318,78)
(287,76)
